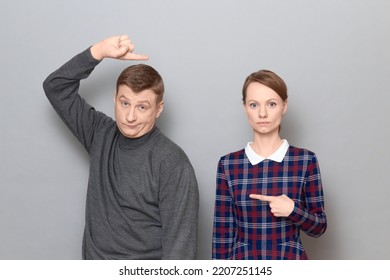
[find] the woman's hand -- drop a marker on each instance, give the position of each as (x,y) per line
(281,206)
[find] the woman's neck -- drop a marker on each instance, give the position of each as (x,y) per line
(266,145)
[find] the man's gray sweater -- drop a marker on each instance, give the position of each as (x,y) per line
(142,198)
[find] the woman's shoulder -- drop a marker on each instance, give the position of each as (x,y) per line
(299,151)
(234,155)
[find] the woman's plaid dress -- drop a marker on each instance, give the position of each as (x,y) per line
(245,228)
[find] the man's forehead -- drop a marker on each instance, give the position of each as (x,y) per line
(145,95)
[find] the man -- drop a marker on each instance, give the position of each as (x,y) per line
(142,199)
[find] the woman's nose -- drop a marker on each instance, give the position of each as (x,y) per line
(262,112)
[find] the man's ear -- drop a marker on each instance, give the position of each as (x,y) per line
(160,108)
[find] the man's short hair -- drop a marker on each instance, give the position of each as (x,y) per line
(141,77)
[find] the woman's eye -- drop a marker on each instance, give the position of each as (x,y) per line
(272,104)
(252,105)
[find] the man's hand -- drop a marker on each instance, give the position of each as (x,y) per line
(281,206)
(119,47)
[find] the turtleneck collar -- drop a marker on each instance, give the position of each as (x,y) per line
(134,143)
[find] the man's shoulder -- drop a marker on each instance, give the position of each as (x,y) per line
(104,123)
(169,151)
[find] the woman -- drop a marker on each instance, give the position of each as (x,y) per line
(270,191)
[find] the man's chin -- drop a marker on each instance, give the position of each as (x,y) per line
(131,133)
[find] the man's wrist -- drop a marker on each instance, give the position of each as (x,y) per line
(96,52)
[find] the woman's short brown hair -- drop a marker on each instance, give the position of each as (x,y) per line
(269,79)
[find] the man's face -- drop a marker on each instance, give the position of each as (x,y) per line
(136,113)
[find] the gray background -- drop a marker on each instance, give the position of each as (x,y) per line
(333,55)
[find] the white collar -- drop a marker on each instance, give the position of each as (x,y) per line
(278,155)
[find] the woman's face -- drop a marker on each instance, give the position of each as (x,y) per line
(264,108)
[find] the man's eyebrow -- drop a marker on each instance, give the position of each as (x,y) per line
(138,101)
(122,96)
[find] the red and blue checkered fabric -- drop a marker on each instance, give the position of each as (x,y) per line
(245,228)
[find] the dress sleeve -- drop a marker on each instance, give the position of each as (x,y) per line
(309,214)
(62,87)
(179,206)
(224,230)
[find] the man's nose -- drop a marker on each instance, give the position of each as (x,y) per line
(131,115)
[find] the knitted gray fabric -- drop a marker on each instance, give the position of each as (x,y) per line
(142,199)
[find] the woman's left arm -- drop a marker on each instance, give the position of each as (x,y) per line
(309,213)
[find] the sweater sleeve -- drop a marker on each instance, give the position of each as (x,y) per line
(61,88)
(224,229)
(179,205)
(309,215)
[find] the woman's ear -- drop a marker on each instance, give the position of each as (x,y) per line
(243,106)
(285,107)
